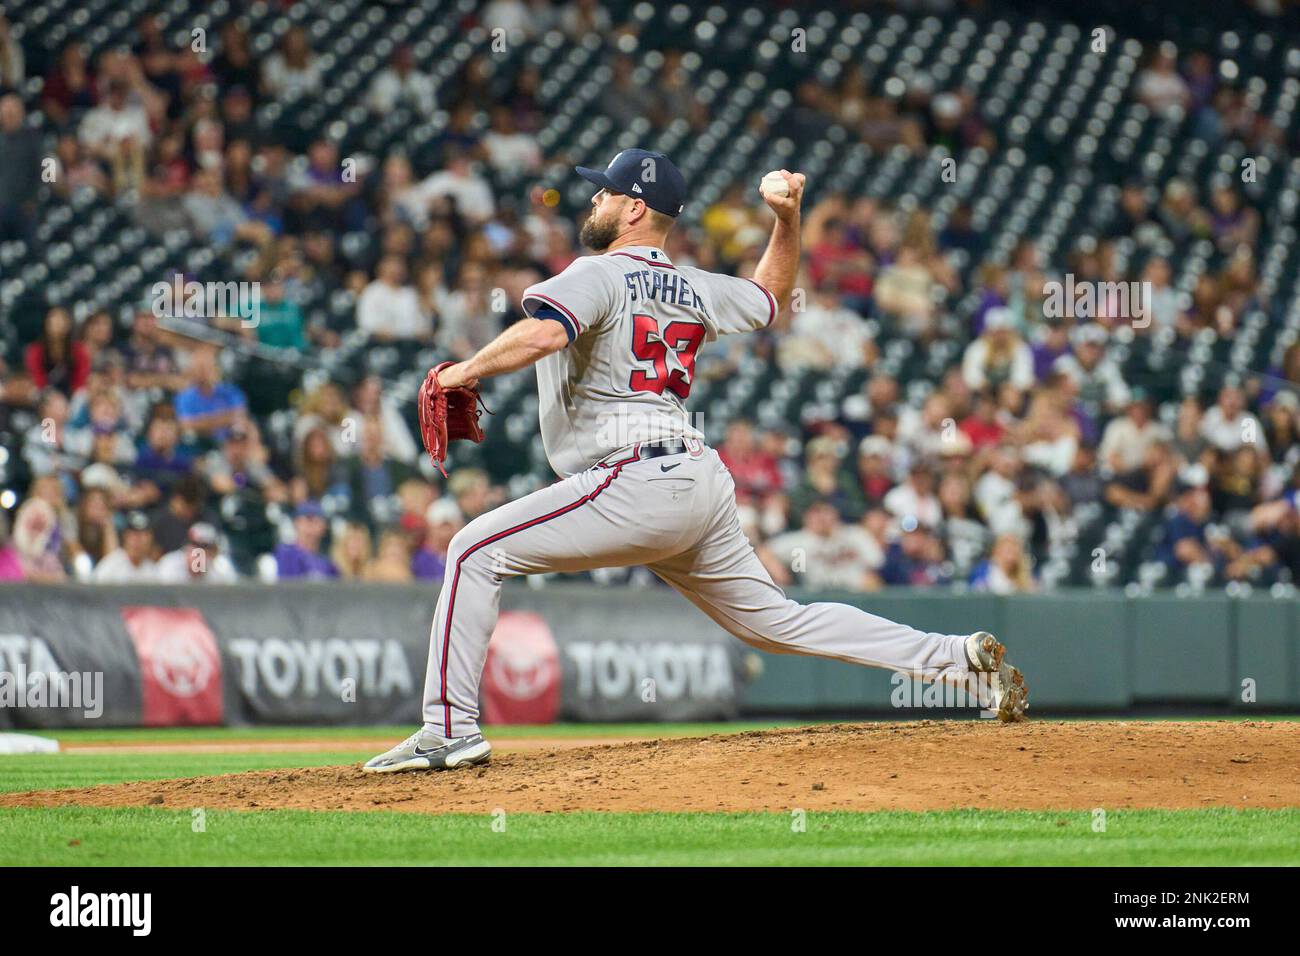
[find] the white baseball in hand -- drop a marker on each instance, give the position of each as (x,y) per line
(774,184)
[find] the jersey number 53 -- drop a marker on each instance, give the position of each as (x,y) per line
(650,345)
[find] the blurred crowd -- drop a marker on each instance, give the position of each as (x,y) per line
(134,445)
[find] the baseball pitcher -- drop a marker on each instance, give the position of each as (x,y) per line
(615,338)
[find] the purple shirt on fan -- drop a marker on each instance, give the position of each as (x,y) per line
(293,561)
(427,566)
(1045,358)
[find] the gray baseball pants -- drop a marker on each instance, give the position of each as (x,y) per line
(677,516)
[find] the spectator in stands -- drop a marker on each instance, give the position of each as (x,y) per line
(468,320)
(234,65)
(472,492)
(875,469)
(401,84)
(279,320)
(905,293)
(996,492)
(57,359)
(963,535)
(97,335)
(1160,88)
(209,406)
(397,197)
(240,465)
(824,479)
(292,71)
(1129,438)
(1232,223)
(1098,378)
(1282,425)
(370,402)
(1133,217)
(20,173)
(96,535)
(457,181)
(149,362)
(37,540)
(303,558)
(510,151)
(1147,487)
(133,562)
(216,215)
(13,66)
(1007,569)
(70,88)
(76,171)
(162,460)
(1188,443)
(321,197)
(199,561)
(827,554)
(180,510)
(982,427)
(915,558)
(443,520)
(317,472)
(1180,215)
(389,308)
(1185,541)
(1228,425)
(755,473)
(351,551)
(1235,484)
(371,475)
(1048,437)
(1081,484)
(825,335)
(118,133)
(49,447)
(1051,343)
(915,497)
(325,407)
(11,564)
(999,355)
(392,561)
(1166,301)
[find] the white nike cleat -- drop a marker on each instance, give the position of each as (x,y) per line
(987,655)
(425,750)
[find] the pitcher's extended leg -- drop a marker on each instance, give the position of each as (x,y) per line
(725,579)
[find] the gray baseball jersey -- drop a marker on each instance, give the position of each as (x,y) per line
(635,323)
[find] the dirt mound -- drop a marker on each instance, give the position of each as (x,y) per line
(888,766)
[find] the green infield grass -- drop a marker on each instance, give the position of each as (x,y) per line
(79,836)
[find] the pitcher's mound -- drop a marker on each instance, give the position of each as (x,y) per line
(930,765)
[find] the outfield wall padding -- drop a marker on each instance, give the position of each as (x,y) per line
(300,653)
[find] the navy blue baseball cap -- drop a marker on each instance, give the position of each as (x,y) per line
(641,174)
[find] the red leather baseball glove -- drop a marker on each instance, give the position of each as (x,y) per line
(447,415)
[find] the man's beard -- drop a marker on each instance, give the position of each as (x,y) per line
(597,235)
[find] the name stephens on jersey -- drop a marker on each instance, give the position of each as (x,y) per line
(635,324)
(662,286)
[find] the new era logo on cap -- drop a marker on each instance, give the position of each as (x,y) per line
(651,177)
